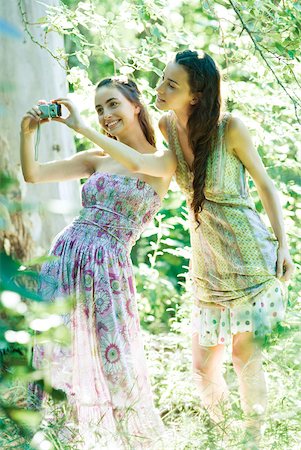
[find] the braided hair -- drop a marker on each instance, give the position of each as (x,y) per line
(131,92)
(204,80)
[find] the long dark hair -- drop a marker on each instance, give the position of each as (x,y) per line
(130,90)
(204,81)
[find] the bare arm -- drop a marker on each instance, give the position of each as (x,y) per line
(163,127)
(158,164)
(240,143)
(80,165)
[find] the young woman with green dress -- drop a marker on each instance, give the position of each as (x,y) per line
(238,266)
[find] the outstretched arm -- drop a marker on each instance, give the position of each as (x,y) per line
(239,142)
(81,165)
(157,164)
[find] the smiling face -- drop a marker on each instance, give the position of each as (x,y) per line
(116,114)
(173,91)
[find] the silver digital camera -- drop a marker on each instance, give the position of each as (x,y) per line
(50,110)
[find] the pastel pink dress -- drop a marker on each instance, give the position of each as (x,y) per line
(104,371)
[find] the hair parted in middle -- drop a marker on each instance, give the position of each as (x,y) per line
(205,81)
(131,92)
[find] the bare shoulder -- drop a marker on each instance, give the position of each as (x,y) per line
(163,126)
(236,131)
(235,125)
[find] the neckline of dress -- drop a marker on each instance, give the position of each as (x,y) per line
(177,140)
(130,178)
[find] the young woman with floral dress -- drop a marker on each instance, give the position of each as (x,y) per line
(104,371)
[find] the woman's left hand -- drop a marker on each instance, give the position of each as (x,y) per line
(74,119)
(285,265)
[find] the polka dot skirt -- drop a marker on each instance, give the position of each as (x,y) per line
(218,325)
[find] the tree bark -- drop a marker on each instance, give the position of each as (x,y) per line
(29,73)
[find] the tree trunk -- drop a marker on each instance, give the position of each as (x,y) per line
(29,73)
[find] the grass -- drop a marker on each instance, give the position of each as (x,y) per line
(170,360)
(187,422)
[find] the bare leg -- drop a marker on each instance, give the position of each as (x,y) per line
(247,362)
(207,372)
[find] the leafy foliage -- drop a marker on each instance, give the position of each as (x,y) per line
(24,320)
(257,45)
(23,314)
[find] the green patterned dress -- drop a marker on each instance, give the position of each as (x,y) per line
(233,263)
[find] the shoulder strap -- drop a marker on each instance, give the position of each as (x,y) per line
(222,129)
(224,123)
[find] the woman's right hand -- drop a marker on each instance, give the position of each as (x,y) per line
(31,119)
(285,265)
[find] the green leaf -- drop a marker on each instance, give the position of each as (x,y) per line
(156,32)
(280,47)
(58,395)
(40,260)
(42,20)
(157,71)
(27,421)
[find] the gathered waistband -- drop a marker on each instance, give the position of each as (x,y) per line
(125,222)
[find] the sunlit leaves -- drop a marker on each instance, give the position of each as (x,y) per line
(135,38)
(21,318)
(28,421)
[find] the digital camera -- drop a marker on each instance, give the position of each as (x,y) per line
(50,110)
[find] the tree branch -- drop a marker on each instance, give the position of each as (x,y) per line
(245,27)
(34,40)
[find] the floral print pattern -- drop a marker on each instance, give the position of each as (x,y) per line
(104,372)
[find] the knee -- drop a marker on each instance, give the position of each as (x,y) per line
(199,370)
(239,362)
(203,366)
(244,358)
(200,376)
(206,361)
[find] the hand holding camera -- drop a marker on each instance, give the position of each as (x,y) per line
(45,111)
(38,114)
(74,119)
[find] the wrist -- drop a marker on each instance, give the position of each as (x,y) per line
(24,133)
(83,129)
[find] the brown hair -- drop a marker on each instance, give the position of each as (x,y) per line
(204,81)
(130,90)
